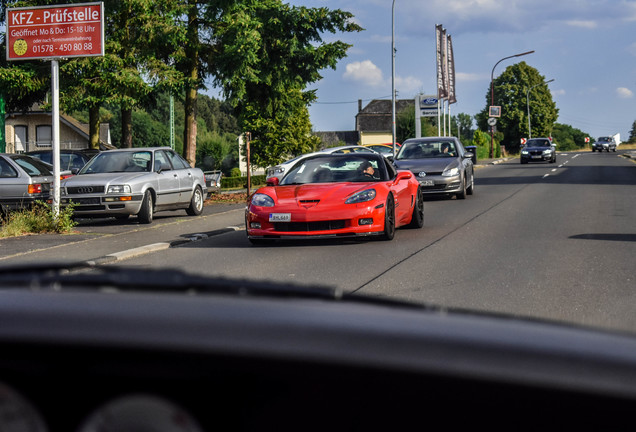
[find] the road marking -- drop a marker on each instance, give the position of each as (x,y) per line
(554,169)
(547,175)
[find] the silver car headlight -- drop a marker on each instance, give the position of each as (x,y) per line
(119,189)
(450,172)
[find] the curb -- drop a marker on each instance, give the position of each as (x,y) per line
(155,247)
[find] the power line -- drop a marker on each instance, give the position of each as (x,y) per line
(352,102)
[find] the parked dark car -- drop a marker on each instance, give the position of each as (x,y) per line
(441,164)
(538,150)
(23,181)
(69,159)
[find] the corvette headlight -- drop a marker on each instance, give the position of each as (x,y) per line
(262,200)
(362,196)
(450,172)
(119,189)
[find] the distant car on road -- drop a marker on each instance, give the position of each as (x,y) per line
(606,143)
(69,159)
(23,181)
(441,165)
(136,181)
(538,150)
(280,170)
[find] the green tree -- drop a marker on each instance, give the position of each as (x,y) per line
(465,124)
(510,92)
(568,138)
(267,53)
(632,133)
(405,125)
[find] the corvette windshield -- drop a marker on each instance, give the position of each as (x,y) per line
(331,169)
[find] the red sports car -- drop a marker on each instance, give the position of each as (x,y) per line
(336,195)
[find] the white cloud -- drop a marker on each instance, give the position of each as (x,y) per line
(582,24)
(364,72)
(464,77)
(624,93)
(408,85)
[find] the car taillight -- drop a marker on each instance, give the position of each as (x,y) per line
(35,188)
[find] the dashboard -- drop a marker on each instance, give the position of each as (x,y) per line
(81,360)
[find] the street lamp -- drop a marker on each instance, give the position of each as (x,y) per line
(393,76)
(492,94)
(528,104)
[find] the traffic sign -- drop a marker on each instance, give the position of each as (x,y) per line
(523,141)
(60,31)
(492,121)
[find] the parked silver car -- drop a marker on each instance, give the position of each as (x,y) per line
(441,164)
(137,181)
(23,181)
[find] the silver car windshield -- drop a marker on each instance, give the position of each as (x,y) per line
(428,149)
(114,161)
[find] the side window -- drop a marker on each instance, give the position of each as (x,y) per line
(162,160)
(177,161)
(6,170)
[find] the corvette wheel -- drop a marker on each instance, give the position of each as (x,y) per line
(389,219)
(147,209)
(196,203)
(417,219)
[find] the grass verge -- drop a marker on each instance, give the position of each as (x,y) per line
(38,219)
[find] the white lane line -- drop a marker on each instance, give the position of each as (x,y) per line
(547,175)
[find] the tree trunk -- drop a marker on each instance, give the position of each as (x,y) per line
(93,127)
(126,128)
(192,53)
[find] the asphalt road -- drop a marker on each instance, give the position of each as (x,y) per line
(552,241)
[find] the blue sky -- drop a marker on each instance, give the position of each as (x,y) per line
(587,46)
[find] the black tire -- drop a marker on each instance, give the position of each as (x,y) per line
(524,161)
(389,219)
(147,209)
(417,219)
(196,203)
(593,150)
(462,193)
(471,188)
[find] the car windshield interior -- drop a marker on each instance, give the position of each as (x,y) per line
(428,149)
(32,166)
(110,162)
(330,169)
(538,143)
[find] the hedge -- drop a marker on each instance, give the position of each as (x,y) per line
(241,182)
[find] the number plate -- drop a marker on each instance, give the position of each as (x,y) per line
(427,182)
(280,217)
(536,157)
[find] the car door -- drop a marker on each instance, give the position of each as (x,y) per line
(11,186)
(167,180)
(184,172)
(402,194)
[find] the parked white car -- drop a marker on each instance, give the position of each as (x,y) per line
(137,181)
(281,169)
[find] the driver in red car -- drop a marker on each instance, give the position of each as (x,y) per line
(368,172)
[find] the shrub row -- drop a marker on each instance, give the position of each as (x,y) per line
(241,182)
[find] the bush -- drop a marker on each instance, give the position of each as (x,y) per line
(37,219)
(241,182)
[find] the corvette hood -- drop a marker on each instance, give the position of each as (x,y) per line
(427,165)
(102,179)
(314,193)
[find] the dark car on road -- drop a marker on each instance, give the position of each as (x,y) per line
(441,164)
(23,181)
(538,150)
(69,159)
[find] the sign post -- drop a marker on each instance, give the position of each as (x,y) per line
(55,32)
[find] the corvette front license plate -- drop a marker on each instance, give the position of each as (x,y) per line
(280,217)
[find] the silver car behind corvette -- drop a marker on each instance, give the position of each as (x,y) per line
(136,181)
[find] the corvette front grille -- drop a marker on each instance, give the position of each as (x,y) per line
(309,226)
